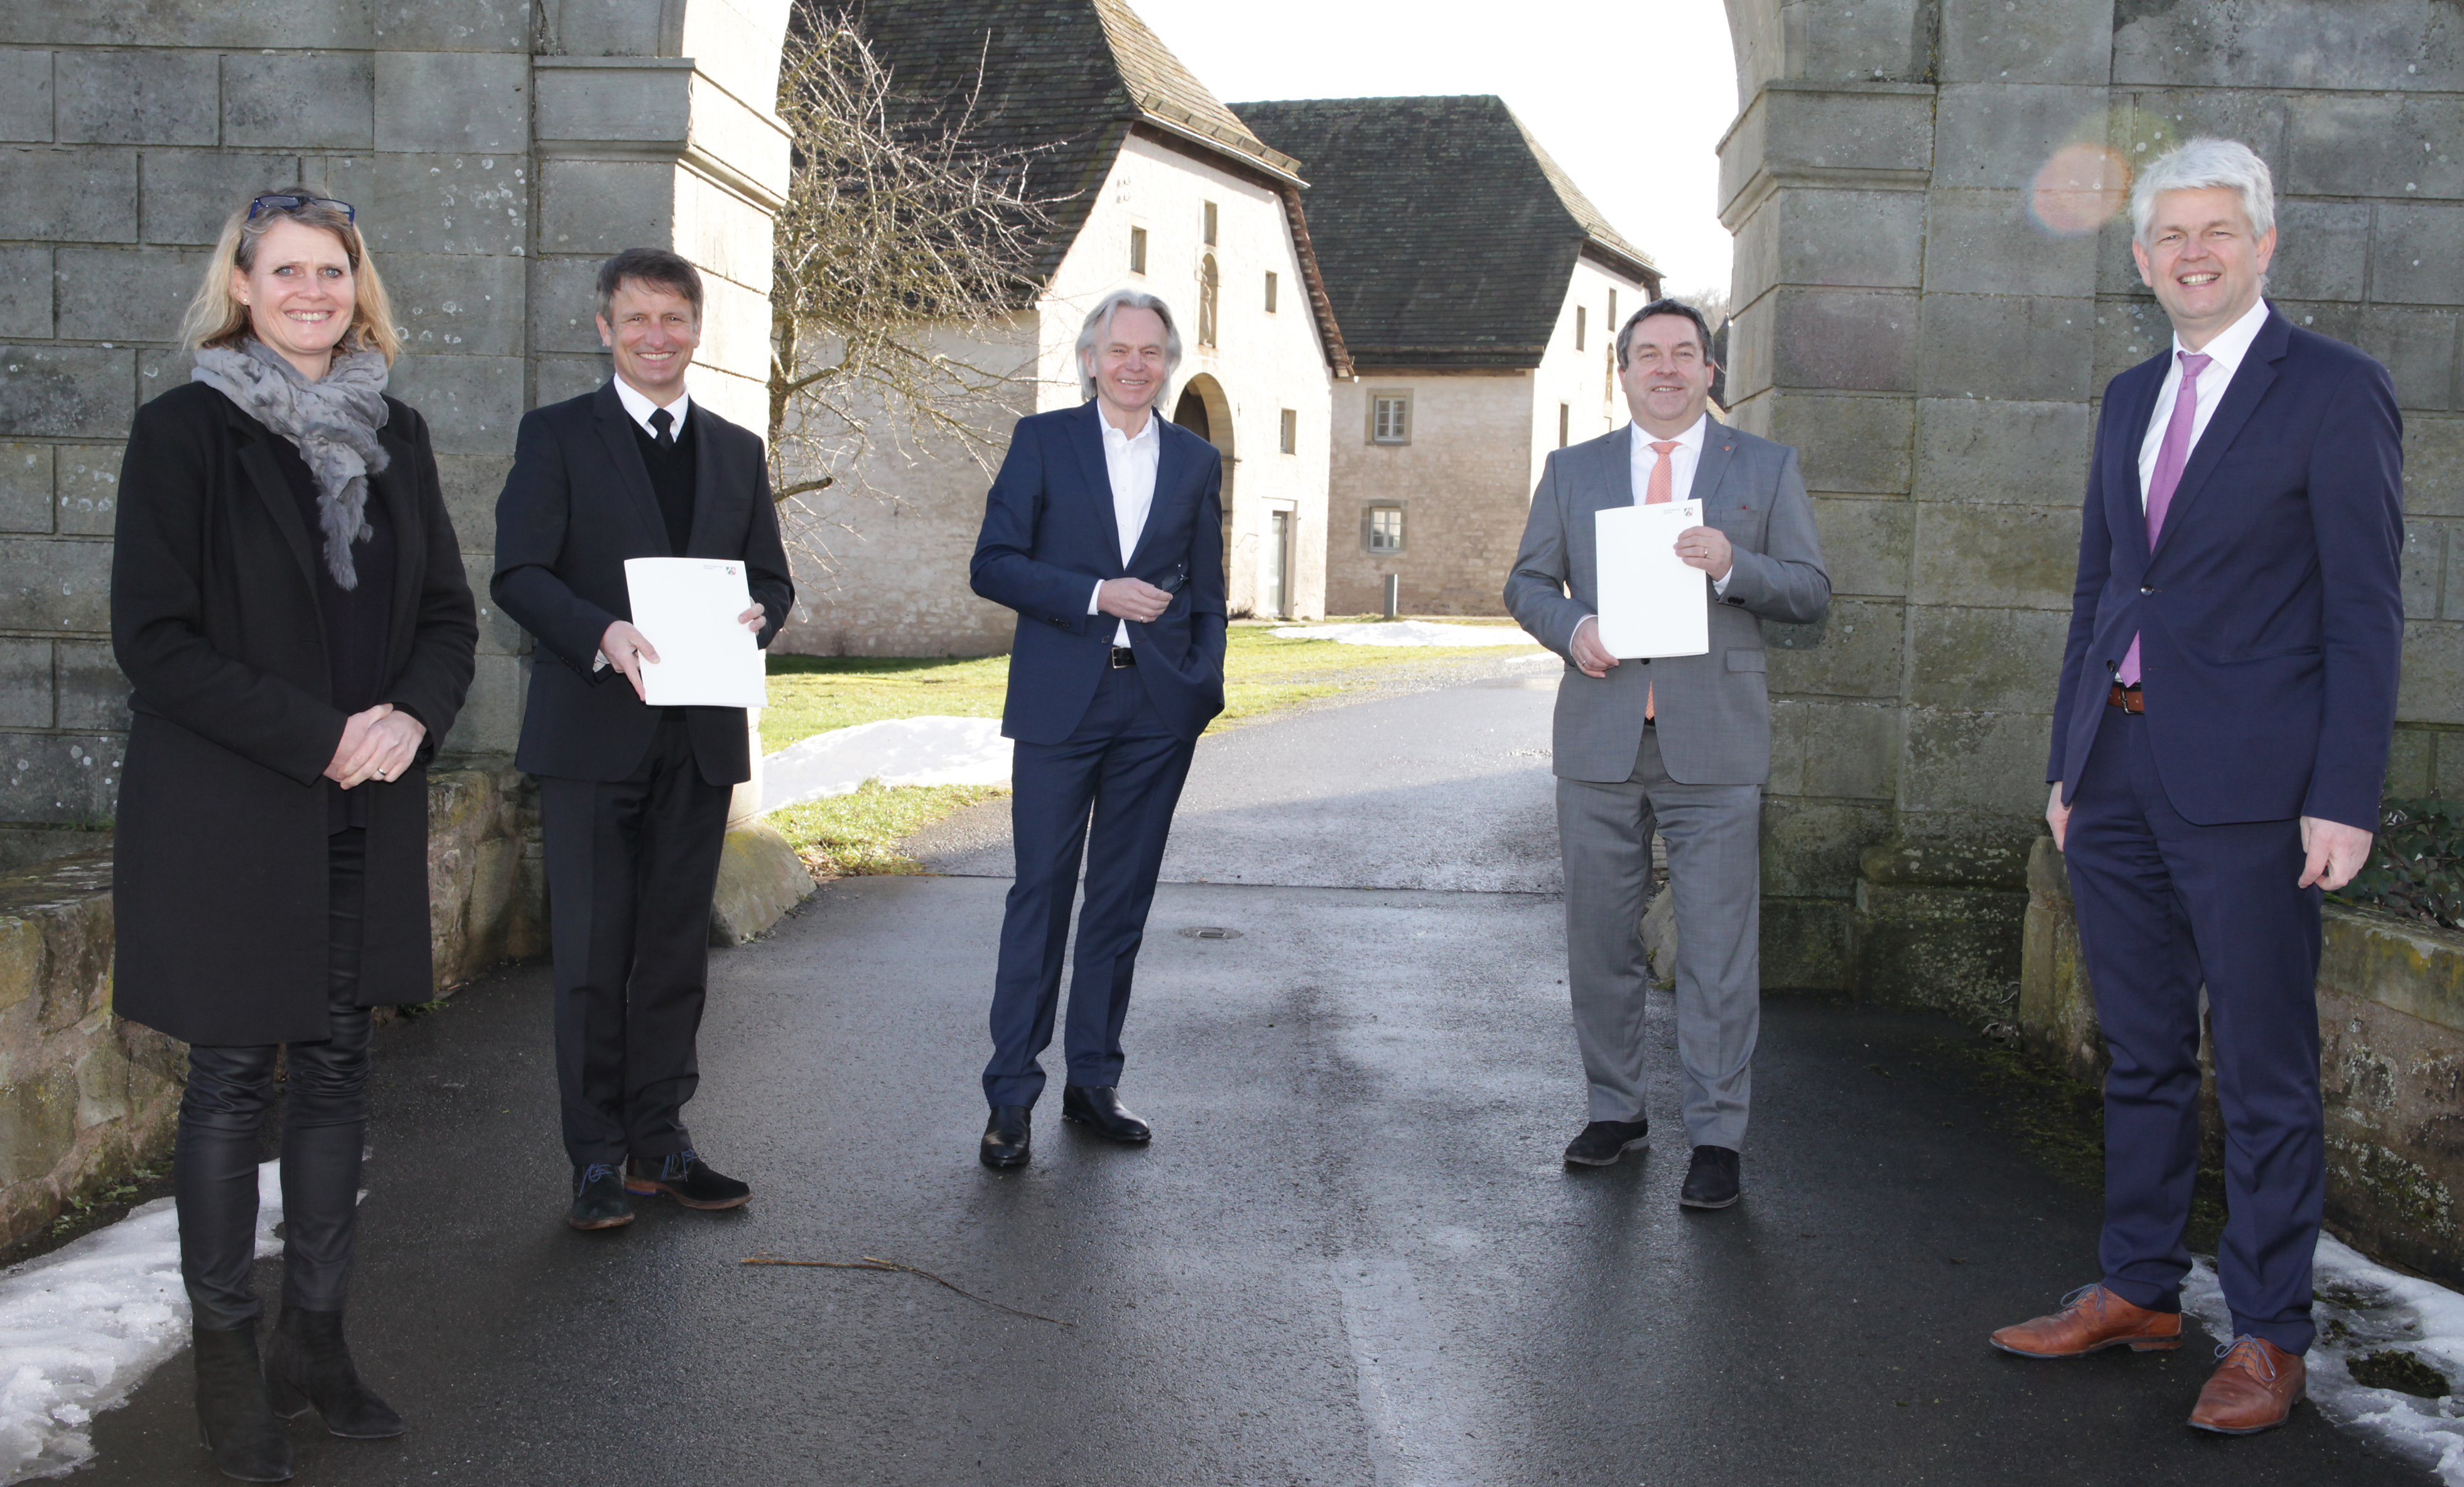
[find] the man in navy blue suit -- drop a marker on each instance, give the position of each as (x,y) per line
(1104,531)
(2220,739)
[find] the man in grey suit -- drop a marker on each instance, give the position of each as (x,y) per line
(1681,744)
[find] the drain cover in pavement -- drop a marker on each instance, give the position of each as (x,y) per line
(1211,932)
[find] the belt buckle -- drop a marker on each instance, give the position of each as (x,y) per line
(1120,659)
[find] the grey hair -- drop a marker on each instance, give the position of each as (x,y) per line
(2198,165)
(1099,323)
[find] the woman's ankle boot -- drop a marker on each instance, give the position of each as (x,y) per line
(307,1366)
(233,1415)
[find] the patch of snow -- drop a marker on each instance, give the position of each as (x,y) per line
(1544,658)
(924,751)
(2363,1307)
(1407,632)
(80,1328)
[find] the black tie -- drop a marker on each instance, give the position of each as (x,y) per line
(661,421)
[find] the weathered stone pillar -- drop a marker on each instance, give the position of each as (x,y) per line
(1932,285)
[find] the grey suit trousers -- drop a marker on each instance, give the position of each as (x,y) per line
(1715,869)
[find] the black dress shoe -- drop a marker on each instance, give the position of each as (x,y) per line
(1007,1137)
(1711,1182)
(684,1176)
(1101,1108)
(598,1198)
(1604,1142)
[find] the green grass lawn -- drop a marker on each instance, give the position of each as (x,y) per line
(857,834)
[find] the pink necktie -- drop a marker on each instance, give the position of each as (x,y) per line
(2170,456)
(1663,483)
(1660,489)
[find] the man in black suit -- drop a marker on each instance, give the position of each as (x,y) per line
(632,798)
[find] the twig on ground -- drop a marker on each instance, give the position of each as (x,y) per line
(870,1262)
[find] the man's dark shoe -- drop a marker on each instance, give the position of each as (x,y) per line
(1101,1108)
(598,1198)
(1604,1142)
(684,1176)
(1007,1137)
(1711,1182)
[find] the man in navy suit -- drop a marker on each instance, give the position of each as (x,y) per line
(2220,739)
(1104,531)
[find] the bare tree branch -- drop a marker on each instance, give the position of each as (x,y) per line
(900,240)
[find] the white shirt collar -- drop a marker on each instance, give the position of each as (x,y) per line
(640,408)
(1691,439)
(1145,436)
(2231,344)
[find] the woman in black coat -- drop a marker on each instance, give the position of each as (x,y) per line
(288,603)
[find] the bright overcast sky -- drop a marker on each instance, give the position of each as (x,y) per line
(1629,96)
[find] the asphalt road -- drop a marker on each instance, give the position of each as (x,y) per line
(1351,1255)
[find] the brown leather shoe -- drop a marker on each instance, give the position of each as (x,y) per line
(2254,1389)
(2092,1318)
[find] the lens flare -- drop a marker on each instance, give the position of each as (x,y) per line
(2078,187)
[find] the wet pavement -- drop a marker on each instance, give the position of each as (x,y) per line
(1351,1255)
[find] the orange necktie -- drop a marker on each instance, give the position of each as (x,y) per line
(1659,492)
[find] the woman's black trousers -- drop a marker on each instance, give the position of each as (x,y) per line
(324,1128)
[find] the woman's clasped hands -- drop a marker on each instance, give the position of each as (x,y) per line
(378,744)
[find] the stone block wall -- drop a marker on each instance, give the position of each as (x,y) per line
(496,150)
(1908,319)
(86,1097)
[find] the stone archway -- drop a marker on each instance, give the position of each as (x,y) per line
(1205,409)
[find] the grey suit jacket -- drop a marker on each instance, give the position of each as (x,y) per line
(1713,710)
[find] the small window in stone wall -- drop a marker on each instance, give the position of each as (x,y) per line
(1381,528)
(1137,250)
(1270,294)
(1579,314)
(1209,325)
(1565,424)
(1390,418)
(1291,434)
(1210,225)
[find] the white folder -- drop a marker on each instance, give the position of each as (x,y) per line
(1651,603)
(686,607)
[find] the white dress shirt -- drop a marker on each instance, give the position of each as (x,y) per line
(1130,461)
(640,408)
(2224,355)
(1682,462)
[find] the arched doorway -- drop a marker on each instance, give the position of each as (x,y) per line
(1205,409)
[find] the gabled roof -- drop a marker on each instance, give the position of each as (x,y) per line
(1445,233)
(1068,80)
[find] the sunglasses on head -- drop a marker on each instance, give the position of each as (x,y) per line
(284,202)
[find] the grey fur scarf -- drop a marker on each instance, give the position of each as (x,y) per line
(334,422)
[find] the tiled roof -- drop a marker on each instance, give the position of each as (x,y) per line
(1446,232)
(1063,78)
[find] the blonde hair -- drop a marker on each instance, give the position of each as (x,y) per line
(216,317)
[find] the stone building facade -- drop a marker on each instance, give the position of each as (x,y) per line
(496,152)
(1923,307)
(1478,292)
(1153,185)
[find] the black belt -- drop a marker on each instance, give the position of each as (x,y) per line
(1123,656)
